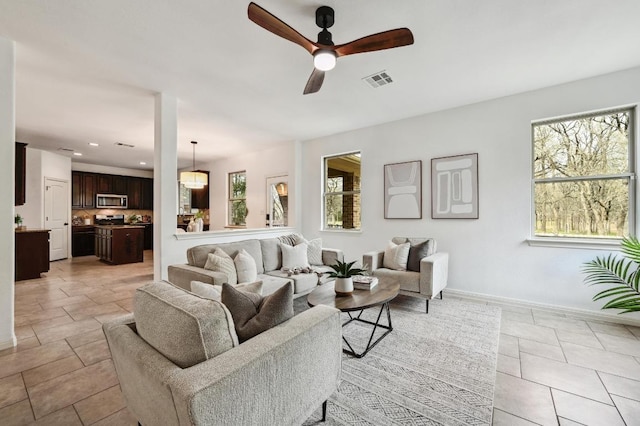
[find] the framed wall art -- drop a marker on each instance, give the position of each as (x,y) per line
(454,187)
(403,190)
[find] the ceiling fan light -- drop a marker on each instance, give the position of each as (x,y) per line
(324,60)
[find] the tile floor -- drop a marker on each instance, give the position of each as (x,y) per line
(552,369)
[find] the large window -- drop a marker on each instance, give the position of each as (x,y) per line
(341,194)
(237,199)
(583,176)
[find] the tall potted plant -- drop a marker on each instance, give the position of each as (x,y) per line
(343,273)
(621,274)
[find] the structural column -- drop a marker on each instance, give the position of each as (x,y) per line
(7,188)
(165,187)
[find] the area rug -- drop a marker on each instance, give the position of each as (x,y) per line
(432,369)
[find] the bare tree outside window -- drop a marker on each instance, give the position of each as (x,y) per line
(583,176)
(342,192)
(237,199)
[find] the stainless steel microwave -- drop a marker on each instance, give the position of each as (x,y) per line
(111,201)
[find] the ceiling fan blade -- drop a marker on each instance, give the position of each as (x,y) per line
(273,24)
(315,82)
(380,41)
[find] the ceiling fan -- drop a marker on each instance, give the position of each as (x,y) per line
(324,51)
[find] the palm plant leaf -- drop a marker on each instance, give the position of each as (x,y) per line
(621,273)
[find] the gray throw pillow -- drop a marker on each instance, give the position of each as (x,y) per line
(252,314)
(416,253)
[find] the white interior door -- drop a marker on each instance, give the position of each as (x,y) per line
(277,201)
(56,217)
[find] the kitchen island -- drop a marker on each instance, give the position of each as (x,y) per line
(119,244)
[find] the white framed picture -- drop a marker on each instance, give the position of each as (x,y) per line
(454,187)
(403,190)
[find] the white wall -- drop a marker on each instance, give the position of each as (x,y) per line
(32,211)
(488,255)
(259,165)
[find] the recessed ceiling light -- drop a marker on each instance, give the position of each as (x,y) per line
(94,144)
(143,163)
(78,154)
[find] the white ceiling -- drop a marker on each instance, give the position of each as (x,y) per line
(87,70)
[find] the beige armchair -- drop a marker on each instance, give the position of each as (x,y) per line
(426,283)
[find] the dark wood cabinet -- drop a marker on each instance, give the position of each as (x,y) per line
(32,253)
(148,236)
(21,173)
(83,241)
(200,197)
(83,190)
(147,194)
(119,185)
(120,244)
(104,183)
(134,193)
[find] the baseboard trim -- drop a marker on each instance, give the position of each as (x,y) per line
(573,312)
(9,343)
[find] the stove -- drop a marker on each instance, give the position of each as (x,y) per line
(108,219)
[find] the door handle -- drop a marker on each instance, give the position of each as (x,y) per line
(66,224)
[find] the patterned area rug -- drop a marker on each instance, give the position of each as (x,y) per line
(435,369)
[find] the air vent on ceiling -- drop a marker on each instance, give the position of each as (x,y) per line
(378,79)
(65,149)
(126,145)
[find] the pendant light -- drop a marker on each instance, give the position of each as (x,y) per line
(194,179)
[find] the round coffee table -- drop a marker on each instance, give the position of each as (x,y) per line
(359,300)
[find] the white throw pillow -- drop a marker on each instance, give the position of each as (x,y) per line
(220,261)
(396,256)
(206,291)
(314,252)
(245,267)
(294,256)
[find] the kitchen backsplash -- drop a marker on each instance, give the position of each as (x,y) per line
(83,214)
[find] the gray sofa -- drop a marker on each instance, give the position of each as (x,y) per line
(268,257)
(189,368)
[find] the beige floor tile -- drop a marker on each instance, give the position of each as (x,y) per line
(541,349)
(18,414)
(112,316)
(629,409)
(24,332)
(28,343)
(634,330)
(69,301)
(511,308)
(65,417)
(12,390)
(126,304)
(524,399)
(509,346)
(112,296)
(559,323)
(610,328)
(51,370)
(518,316)
(529,331)
(21,309)
(121,418)
(607,362)
(100,405)
(93,352)
(509,365)
(43,315)
(54,322)
(584,339)
(67,330)
(34,357)
(567,422)
(621,345)
(500,418)
(586,411)
(85,338)
(79,312)
(621,386)
(72,387)
(560,375)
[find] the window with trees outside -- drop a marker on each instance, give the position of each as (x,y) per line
(341,193)
(583,176)
(237,199)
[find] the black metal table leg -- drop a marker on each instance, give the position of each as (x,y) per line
(376,325)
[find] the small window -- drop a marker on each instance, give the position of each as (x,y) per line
(237,199)
(583,176)
(341,194)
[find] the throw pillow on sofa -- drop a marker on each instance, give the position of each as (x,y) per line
(214,292)
(416,253)
(220,261)
(314,251)
(245,267)
(252,314)
(294,257)
(396,256)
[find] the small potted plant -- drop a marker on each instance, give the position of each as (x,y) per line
(18,221)
(343,273)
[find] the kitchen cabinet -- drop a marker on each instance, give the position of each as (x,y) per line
(134,193)
(83,190)
(119,185)
(104,183)
(148,236)
(120,244)
(147,194)
(32,253)
(83,241)
(200,197)
(21,173)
